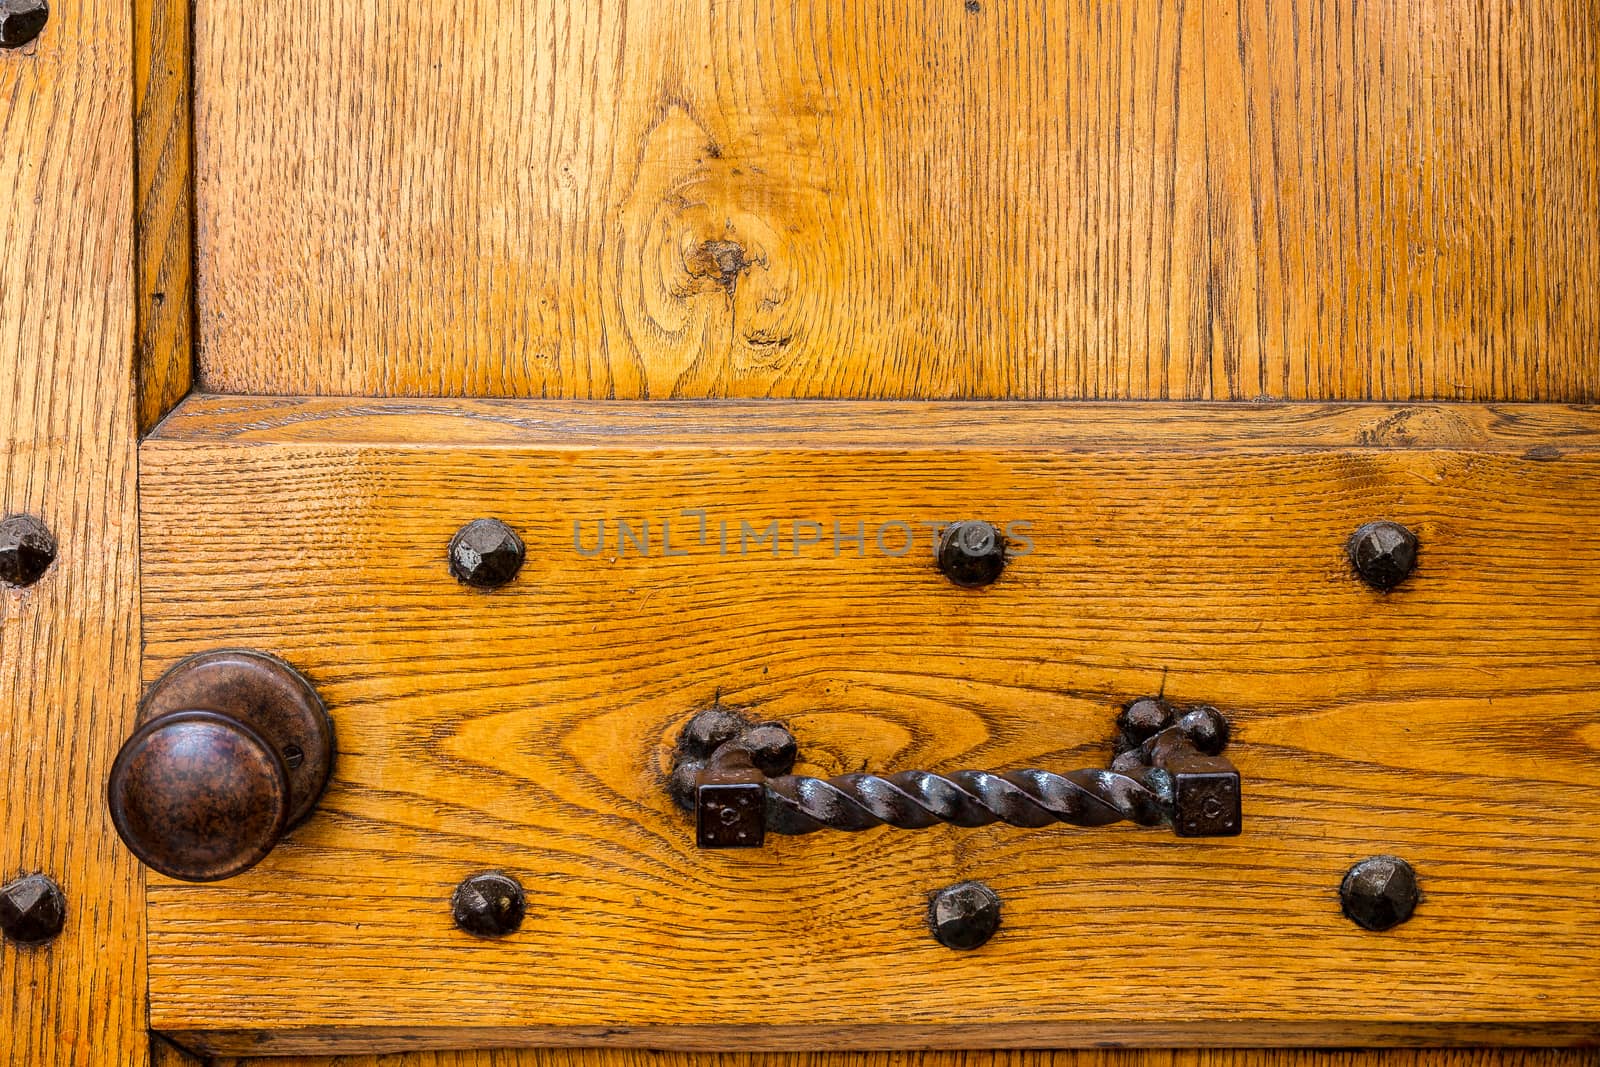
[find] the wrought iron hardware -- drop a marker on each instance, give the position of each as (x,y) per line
(734,775)
(234,749)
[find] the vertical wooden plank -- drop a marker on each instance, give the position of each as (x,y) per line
(163,130)
(69,644)
(1191,279)
(1231,221)
(1404,199)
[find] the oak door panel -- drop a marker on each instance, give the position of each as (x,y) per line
(873,199)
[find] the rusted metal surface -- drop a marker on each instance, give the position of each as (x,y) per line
(971,553)
(490,904)
(268,695)
(27,549)
(1141,720)
(1168,771)
(1379,893)
(913,800)
(964,916)
(1205,792)
(486,554)
(234,748)
(198,796)
(721,767)
(1383,553)
(33,909)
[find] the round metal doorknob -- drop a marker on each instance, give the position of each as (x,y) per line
(234,748)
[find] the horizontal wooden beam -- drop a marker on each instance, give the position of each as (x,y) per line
(1539,431)
(797,1039)
(1195,552)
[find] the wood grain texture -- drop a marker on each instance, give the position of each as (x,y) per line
(1454,722)
(165,1054)
(69,645)
(1002,1058)
(709,1043)
(1532,430)
(1217,199)
(164,225)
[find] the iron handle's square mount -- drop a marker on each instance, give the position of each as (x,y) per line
(733,774)
(730,811)
(1206,800)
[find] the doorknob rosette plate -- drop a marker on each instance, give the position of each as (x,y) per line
(271,697)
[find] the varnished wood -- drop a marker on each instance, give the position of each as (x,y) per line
(874,199)
(165,1054)
(1075,1058)
(1450,722)
(1532,430)
(707,1044)
(164,224)
(69,645)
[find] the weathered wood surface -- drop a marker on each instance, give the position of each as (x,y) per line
(1453,722)
(165,1054)
(874,199)
(164,219)
(69,645)
(1532,430)
(1084,1058)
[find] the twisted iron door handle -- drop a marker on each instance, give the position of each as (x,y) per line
(733,774)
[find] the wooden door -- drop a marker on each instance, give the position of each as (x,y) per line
(726,309)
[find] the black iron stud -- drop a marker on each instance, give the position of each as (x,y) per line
(486,554)
(32,909)
(1383,553)
(21,21)
(26,549)
(971,554)
(964,916)
(1379,893)
(491,904)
